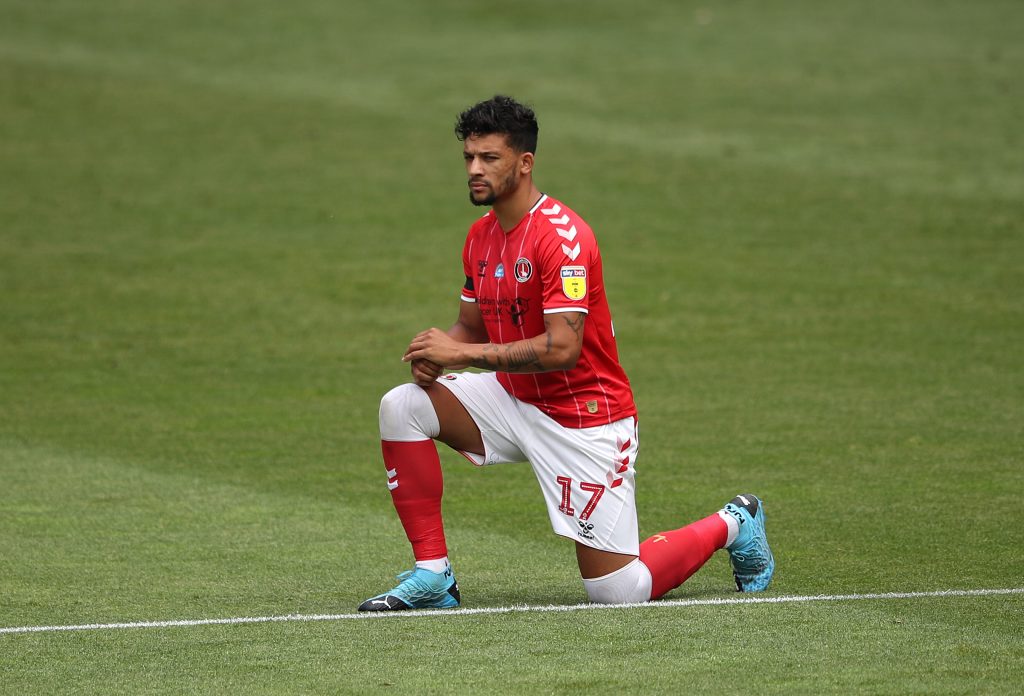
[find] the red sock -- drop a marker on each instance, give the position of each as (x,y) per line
(416,483)
(674,556)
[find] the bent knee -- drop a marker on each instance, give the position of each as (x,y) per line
(406,415)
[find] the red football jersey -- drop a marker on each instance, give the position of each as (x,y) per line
(549,263)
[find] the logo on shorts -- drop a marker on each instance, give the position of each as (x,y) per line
(586,529)
(451,377)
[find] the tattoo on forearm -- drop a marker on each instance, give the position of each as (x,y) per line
(521,356)
(512,357)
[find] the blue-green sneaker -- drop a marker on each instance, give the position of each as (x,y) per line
(751,559)
(419,589)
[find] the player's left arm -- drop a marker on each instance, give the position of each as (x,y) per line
(558,348)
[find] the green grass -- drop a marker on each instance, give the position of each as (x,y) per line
(220,223)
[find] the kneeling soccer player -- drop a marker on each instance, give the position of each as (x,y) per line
(534,314)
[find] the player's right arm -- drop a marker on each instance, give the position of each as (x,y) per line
(469,327)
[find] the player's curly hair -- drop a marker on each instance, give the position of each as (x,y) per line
(500,114)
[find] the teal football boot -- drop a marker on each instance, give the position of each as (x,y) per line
(418,589)
(751,559)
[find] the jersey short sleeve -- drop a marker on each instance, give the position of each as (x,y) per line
(568,256)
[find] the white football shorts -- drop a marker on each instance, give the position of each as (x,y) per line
(586,474)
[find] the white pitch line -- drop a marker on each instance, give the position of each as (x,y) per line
(519,608)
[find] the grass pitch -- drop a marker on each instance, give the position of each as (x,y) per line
(221,223)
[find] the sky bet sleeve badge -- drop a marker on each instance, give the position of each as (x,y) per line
(574,282)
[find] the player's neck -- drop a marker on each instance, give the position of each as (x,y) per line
(511,210)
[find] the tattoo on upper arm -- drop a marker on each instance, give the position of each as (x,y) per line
(575,324)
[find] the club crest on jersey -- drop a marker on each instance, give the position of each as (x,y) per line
(574,282)
(499,272)
(524,269)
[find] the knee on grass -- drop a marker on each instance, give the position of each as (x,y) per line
(627,585)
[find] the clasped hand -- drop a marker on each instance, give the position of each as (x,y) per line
(430,352)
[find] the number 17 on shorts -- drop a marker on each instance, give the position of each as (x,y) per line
(594,514)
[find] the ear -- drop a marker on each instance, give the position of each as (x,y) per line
(526,163)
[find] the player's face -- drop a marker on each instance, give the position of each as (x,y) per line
(492,166)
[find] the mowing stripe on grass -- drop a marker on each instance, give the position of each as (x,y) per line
(521,608)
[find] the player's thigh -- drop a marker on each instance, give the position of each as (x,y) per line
(587,478)
(497,421)
(458,429)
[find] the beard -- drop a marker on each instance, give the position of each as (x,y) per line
(486,200)
(508,184)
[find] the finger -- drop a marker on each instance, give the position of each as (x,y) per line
(423,380)
(422,335)
(413,347)
(412,355)
(416,345)
(422,367)
(429,366)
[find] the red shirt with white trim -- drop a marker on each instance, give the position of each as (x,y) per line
(549,263)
